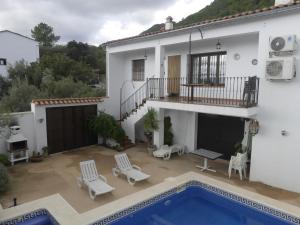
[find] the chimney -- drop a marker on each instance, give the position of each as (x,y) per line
(283,2)
(169,23)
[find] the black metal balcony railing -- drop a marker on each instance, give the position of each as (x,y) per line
(224,91)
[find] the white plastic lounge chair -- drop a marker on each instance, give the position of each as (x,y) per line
(165,151)
(132,172)
(97,184)
(238,163)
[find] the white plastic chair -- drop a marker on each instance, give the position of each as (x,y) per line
(132,172)
(165,151)
(97,184)
(238,163)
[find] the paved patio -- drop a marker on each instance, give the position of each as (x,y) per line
(58,173)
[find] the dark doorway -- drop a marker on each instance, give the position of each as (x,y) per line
(67,127)
(220,133)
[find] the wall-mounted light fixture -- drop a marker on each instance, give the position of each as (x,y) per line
(145,55)
(218,45)
(284,133)
(40,120)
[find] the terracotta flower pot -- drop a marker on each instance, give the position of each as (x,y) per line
(36,159)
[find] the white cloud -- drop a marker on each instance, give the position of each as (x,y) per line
(93,21)
(180,9)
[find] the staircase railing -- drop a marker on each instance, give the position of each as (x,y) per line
(134,101)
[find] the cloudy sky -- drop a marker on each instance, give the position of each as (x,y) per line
(93,21)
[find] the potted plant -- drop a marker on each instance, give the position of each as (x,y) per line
(36,157)
(108,128)
(103,125)
(150,125)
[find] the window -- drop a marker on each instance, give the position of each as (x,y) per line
(2,62)
(138,70)
(208,68)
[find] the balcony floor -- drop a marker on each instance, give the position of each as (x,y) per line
(206,101)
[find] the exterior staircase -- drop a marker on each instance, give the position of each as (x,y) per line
(127,143)
(133,109)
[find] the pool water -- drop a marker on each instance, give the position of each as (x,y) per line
(198,206)
(39,220)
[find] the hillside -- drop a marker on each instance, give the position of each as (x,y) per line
(218,8)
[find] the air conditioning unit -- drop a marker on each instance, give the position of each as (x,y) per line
(281,68)
(287,43)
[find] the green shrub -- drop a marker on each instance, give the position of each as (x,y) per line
(4,159)
(118,133)
(3,178)
(107,127)
(168,135)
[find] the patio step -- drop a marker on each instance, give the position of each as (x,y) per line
(127,143)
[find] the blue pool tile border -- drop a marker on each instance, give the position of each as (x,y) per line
(250,203)
(28,216)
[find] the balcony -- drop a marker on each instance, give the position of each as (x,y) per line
(239,92)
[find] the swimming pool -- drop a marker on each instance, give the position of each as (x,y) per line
(37,217)
(199,204)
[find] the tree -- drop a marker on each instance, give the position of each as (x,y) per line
(4,86)
(23,71)
(44,34)
(19,97)
(77,50)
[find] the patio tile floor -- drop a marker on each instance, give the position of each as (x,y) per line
(58,173)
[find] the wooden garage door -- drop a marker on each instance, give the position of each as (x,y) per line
(67,127)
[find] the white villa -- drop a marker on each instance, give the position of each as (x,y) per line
(15,47)
(212,79)
(225,85)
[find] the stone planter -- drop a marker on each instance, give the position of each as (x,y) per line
(35,159)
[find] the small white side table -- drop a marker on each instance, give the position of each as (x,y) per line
(207,154)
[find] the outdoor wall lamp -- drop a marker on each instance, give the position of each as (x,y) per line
(40,120)
(284,133)
(218,45)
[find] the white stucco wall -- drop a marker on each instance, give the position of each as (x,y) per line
(25,120)
(14,47)
(274,157)
(245,45)
(119,68)
(184,128)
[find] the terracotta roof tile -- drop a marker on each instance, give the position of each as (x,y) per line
(63,101)
(257,11)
